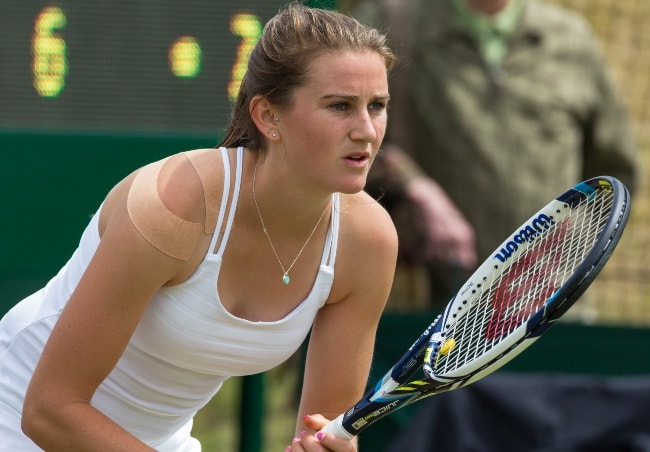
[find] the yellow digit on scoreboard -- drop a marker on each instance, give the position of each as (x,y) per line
(49,61)
(249,27)
(185,57)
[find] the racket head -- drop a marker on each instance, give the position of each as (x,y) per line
(509,301)
(530,280)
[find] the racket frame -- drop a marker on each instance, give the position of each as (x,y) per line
(395,390)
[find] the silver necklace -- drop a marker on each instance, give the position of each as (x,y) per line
(285,276)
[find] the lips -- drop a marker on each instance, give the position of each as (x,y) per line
(359,157)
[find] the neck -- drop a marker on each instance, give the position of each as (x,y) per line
(487,7)
(293,209)
(286,267)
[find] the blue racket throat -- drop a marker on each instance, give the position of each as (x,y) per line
(509,302)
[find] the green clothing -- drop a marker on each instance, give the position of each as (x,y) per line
(491,32)
(503,143)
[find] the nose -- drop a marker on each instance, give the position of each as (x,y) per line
(364,128)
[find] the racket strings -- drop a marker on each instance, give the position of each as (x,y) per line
(510,296)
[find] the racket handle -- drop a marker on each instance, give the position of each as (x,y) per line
(336,427)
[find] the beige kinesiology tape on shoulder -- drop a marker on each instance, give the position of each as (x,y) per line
(163,229)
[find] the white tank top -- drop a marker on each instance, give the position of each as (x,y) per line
(186,344)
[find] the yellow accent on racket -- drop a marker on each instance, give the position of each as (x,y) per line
(448,346)
(427,353)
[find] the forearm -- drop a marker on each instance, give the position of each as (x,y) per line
(395,167)
(79,427)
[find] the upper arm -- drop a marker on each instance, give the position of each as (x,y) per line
(104,309)
(343,334)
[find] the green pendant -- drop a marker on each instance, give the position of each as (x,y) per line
(286,279)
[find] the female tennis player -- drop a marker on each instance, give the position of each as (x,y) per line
(218,262)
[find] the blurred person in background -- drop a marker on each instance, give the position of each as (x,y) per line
(497,106)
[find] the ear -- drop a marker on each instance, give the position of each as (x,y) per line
(264,115)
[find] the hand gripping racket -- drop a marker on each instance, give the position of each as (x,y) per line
(507,304)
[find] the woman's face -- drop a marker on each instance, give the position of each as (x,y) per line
(332,130)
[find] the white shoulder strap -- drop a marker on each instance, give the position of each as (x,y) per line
(224,202)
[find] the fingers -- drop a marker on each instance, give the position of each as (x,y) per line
(461,255)
(448,236)
(307,442)
(452,250)
(314,440)
(321,442)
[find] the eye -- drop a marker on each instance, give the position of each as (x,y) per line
(339,106)
(377,106)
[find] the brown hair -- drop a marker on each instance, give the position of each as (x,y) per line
(278,63)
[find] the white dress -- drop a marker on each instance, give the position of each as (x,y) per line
(184,348)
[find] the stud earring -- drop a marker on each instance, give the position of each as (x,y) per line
(273,134)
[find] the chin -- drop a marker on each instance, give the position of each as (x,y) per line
(351,189)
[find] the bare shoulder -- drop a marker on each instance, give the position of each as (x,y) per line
(367,249)
(185,182)
(367,223)
(168,201)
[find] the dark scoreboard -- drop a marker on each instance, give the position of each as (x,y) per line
(159,66)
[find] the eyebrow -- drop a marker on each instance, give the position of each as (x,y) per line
(353,97)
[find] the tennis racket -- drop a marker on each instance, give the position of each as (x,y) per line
(507,304)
